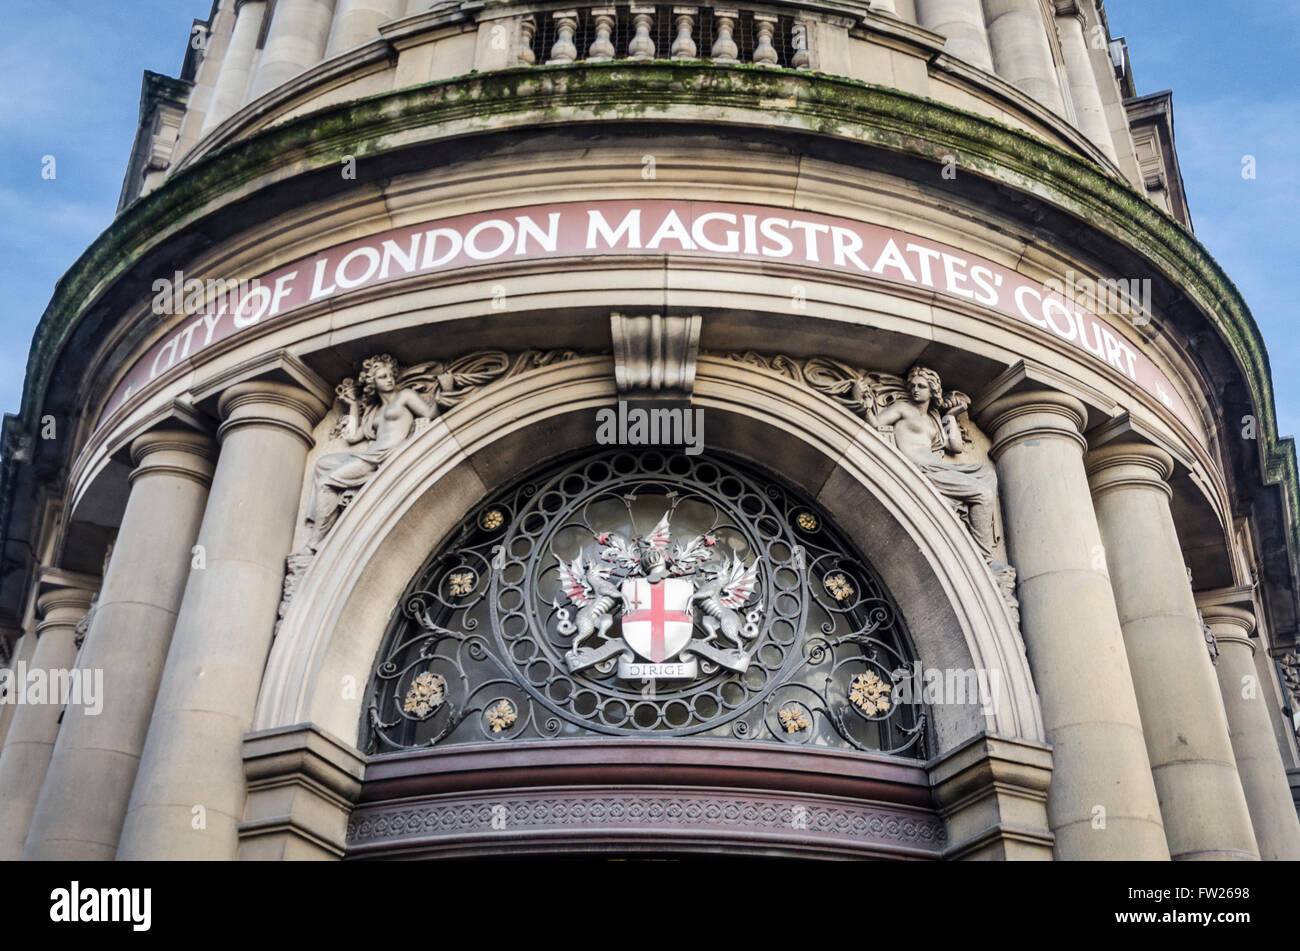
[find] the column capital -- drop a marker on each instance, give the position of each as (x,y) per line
(58,590)
(1129,465)
(62,607)
(269,403)
(1068,8)
(1033,414)
(178,452)
(1230,623)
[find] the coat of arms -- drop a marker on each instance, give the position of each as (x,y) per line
(653,589)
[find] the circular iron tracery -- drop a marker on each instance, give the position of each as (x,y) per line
(483,647)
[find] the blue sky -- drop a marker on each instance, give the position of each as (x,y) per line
(70,83)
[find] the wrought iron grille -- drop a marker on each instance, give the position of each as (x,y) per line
(663,33)
(790,637)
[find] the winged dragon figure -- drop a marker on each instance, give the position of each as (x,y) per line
(685,574)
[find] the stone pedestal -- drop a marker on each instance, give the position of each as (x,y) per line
(1259,762)
(1102,802)
(992,795)
(189,793)
(302,783)
(94,764)
(1201,801)
(35,725)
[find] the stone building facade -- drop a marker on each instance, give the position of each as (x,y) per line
(788,428)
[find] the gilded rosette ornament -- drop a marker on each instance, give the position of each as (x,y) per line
(428,692)
(870,694)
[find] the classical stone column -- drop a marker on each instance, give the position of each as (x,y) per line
(22,654)
(1201,801)
(189,791)
(1085,95)
(231,90)
(357,21)
(88,784)
(1022,54)
(295,42)
(1102,801)
(961,22)
(34,726)
(1259,762)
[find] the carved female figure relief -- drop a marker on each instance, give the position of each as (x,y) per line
(926,430)
(381,414)
(384,407)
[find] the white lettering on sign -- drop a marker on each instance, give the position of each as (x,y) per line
(661,227)
(678,671)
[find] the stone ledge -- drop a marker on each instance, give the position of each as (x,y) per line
(302,782)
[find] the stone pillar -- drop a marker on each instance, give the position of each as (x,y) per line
(1085,95)
(1259,762)
(1201,801)
(35,725)
(1022,54)
(189,792)
(91,773)
(961,22)
(357,22)
(231,90)
(199,104)
(1102,801)
(22,654)
(295,42)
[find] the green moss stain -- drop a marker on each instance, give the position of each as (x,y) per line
(751,95)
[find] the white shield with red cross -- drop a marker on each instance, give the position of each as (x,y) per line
(657,621)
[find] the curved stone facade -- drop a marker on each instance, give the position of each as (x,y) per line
(928,265)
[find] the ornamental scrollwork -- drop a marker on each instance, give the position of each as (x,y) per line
(638,593)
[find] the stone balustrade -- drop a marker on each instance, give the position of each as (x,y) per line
(637,33)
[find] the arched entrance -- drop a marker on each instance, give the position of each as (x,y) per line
(949,603)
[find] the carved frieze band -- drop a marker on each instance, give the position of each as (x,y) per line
(385,405)
(824,823)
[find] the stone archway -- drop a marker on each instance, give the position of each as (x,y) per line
(333,630)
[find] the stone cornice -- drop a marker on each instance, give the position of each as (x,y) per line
(737,95)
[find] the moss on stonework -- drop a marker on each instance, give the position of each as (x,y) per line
(747,95)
